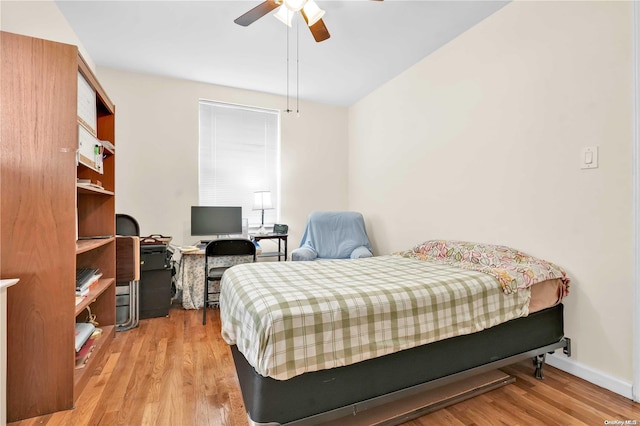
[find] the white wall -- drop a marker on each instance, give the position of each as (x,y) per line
(41,19)
(157,152)
(481,141)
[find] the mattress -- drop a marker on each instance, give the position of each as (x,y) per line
(292,318)
(270,401)
(546,294)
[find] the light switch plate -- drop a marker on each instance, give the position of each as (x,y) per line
(589,157)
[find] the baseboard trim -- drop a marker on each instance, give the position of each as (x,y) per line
(591,375)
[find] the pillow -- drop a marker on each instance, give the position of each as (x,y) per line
(513,268)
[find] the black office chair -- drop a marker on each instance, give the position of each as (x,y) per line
(223,248)
(127,225)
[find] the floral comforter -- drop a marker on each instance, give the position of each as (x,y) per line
(512,268)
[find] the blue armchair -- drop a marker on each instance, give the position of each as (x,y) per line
(333,235)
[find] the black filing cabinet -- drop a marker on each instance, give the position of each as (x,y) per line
(155,280)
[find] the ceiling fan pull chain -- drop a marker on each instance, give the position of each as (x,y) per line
(297,68)
(287,110)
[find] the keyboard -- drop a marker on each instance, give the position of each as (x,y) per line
(84,275)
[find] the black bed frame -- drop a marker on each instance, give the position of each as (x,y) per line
(325,395)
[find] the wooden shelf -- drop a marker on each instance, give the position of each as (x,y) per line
(97,289)
(83,246)
(92,190)
(95,210)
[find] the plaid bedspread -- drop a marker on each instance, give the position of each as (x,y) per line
(288,318)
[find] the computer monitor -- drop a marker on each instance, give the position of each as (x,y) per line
(215,220)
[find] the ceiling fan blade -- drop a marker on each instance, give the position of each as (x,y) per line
(256,13)
(318,30)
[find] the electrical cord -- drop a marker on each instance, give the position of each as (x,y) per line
(91,318)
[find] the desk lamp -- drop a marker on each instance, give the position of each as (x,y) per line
(262,201)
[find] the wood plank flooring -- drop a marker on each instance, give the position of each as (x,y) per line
(175,371)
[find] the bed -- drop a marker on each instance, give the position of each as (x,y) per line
(314,342)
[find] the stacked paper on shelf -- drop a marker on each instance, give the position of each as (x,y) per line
(85,277)
(87,111)
(84,330)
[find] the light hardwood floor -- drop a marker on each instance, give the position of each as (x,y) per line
(175,371)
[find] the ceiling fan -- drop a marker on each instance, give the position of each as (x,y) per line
(310,11)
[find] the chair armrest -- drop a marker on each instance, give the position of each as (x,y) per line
(361,252)
(304,253)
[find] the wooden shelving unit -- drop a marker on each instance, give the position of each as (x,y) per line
(50,224)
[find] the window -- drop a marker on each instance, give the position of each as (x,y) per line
(239,154)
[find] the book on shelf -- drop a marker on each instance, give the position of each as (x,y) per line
(82,356)
(81,294)
(88,284)
(86,288)
(85,277)
(84,330)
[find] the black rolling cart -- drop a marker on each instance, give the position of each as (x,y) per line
(155,277)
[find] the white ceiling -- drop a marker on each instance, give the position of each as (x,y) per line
(371,42)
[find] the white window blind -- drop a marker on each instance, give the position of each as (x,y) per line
(239,155)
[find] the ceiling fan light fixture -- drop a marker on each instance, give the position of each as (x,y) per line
(294,5)
(284,15)
(312,12)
